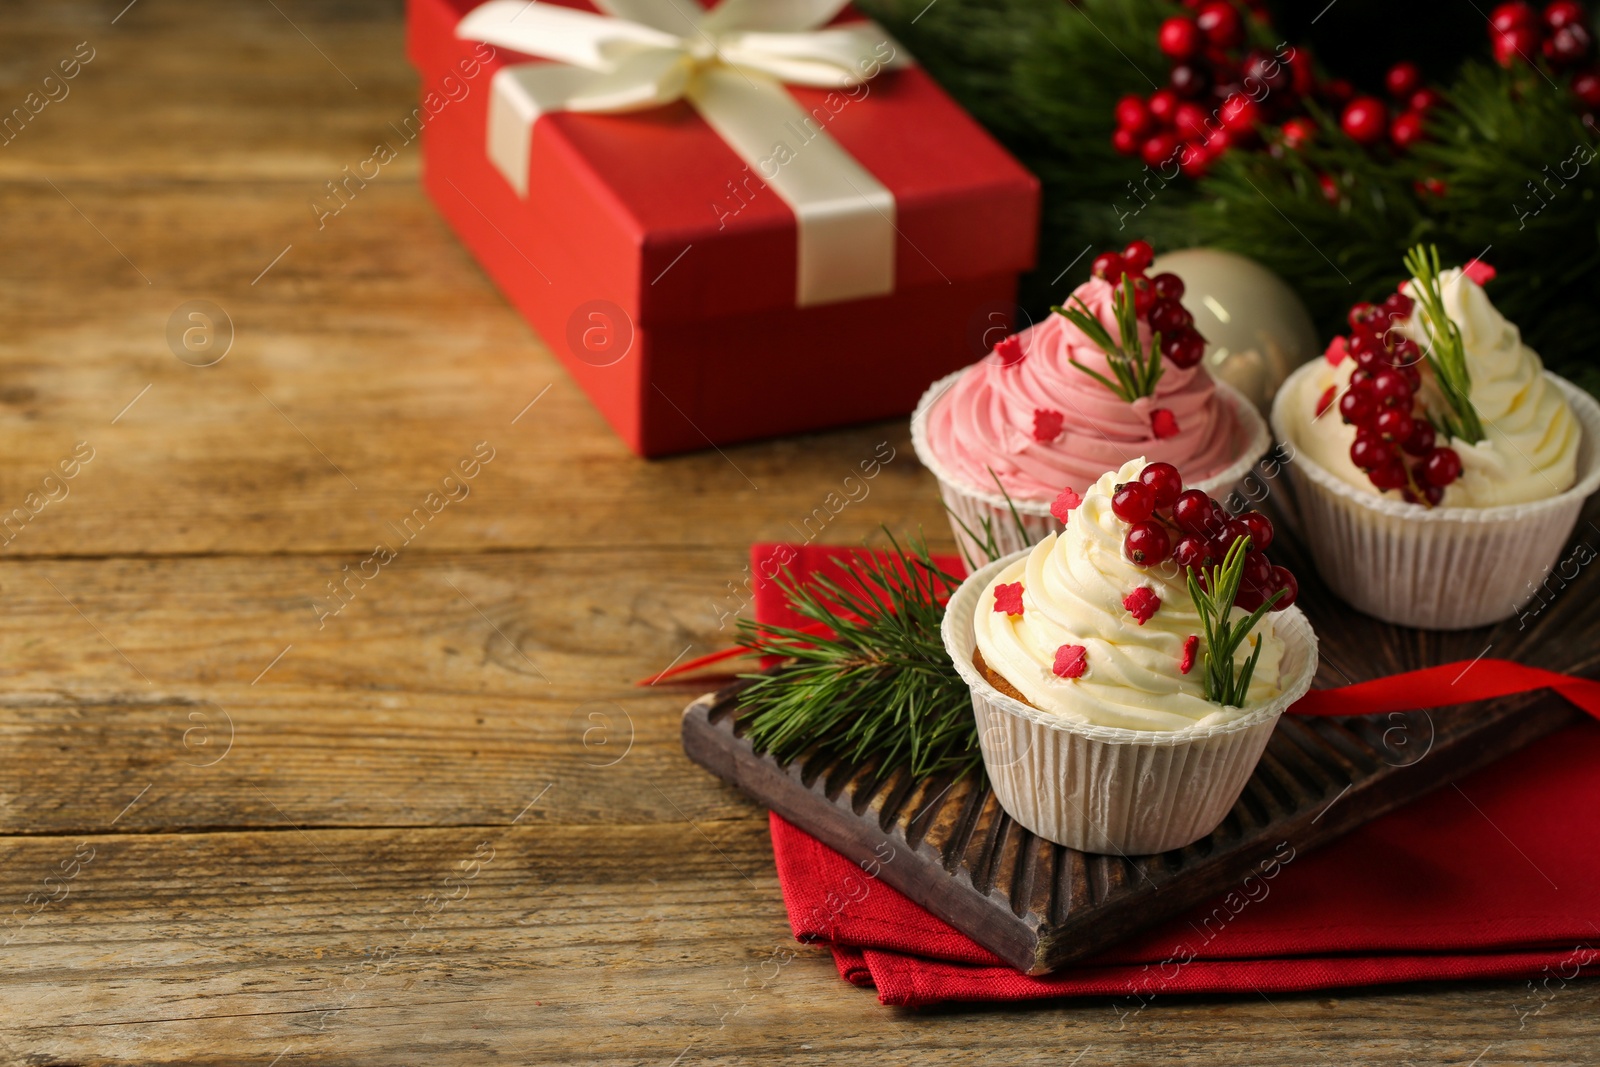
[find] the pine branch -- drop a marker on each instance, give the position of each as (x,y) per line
(880,687)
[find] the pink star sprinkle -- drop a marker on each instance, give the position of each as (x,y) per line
(1143,603)
(1064,504)
(1336,351)
(1008,598)
(1479,271)
(1047,424)
(1191,645)
(1071,661)
(1009,352)
(1163,423)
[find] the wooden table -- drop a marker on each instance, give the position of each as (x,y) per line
(439,826)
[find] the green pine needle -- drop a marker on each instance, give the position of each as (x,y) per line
(1225,682)
(881,687)
(1137,369)
(1446,353)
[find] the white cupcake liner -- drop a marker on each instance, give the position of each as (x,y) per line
(1107,789)
(1436,568)
(974,506)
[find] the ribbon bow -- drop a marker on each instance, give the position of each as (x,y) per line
(730,63)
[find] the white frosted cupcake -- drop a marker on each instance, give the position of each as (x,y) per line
(1442,504)
(1092,679)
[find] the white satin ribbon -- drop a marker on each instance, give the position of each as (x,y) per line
(730,63)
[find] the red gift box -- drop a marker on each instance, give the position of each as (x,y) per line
(663,271)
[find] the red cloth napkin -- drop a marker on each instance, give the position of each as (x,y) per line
(1497,876)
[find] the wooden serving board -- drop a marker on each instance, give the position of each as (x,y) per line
(1039,905)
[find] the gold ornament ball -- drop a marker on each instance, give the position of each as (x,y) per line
(1257,330)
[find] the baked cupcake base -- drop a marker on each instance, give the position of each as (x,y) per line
(1105,789)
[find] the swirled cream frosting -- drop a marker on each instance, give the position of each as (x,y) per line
(1074,585)
(989,419)
(1530,448)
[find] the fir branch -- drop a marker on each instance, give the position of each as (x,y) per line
(1224,681)
(1446,353)
(879,686)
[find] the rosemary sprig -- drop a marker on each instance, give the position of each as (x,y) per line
(878,686)
(1225,682)
(1446,353)
(1137,370)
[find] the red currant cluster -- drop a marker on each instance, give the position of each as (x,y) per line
(1167,521)
(1155,301)
(1384,405)
(1562,36)
(1365,119)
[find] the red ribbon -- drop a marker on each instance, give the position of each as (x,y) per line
(1448,683)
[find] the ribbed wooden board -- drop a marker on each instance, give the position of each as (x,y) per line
(1039,905)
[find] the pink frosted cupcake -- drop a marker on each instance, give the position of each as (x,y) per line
(1114,375)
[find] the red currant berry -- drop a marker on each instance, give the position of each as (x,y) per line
(1389,476)
(1162,104)
(1329,187)
(1442,467)
(1168,286)
(1337,91)
(1144,296)
(1405,353)
(1510,16)
(1185,349)
(1190,121)
(1192,511)
(1356,407)
(1402,80)
(1393,424)
(1164,483)
(1194,160)
(1369,452)
(1326,400)
(1249,597)
(1361,382)
(1133,502)
(1257,569)
(1192,552)
(1433,494)
(1108,265)
(1391,389)
(1562,13)
(1170,317)
(1365,318)
(1586,87)
(1133,114)
(1147,544)
(1126,142)
(1365,119)
(1569,45)
(1188,80)
(1285,584)
(1420,443)
(1158,148)
(1519,42)
(1137,256)
(1366,350)
(1297,132)
(1179,37)
(1239,114)
(1261,530)
(1234,530)
(1397,305)
(1407,130)
(1424,100)
(1220,23)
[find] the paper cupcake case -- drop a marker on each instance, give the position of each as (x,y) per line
(974,507)
(1435,568)
(1110,790)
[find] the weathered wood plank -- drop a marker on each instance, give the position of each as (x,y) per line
(235,948)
